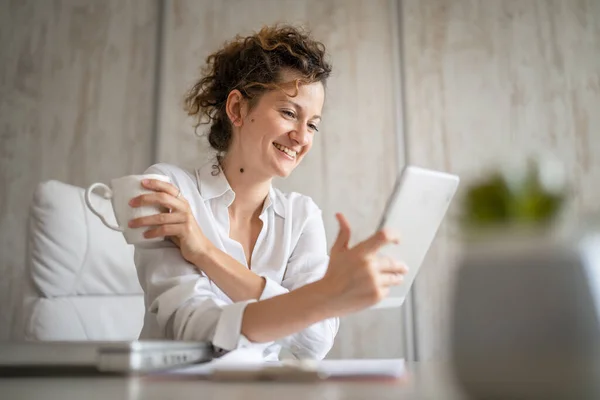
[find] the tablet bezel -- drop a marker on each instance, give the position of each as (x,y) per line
(446,190)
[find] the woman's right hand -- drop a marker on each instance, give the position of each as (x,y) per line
(357,277)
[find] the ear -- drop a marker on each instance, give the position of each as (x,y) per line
(236,108)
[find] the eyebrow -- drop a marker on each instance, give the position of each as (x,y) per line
(298,106)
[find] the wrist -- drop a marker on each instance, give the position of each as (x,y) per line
(324,292)
(206,256)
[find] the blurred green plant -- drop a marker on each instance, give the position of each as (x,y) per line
(495,202)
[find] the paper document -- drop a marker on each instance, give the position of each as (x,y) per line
(391,368)
(244,361)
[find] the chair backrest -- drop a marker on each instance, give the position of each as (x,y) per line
(80,281)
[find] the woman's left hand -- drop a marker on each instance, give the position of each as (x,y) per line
(178,223)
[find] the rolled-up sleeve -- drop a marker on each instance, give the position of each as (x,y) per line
(181,303)
(308,263)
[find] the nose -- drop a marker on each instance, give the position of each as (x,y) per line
(301,135)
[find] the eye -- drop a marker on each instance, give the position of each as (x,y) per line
(313,127)
(288,113)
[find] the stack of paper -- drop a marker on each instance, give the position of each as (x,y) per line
(248,364)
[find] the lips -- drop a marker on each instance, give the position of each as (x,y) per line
(286,150)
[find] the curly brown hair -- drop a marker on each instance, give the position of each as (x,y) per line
(252,65)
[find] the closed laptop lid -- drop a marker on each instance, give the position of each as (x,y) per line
(115,356)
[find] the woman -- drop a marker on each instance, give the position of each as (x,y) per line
(247,265)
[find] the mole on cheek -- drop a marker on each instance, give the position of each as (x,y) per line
(252,120)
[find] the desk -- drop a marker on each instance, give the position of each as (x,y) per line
(426,381)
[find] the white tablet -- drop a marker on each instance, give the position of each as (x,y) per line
(415,211)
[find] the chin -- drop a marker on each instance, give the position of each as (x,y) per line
(283,172)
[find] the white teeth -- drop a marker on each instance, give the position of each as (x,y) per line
(287,151)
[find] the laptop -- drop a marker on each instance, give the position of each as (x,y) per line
(83,357)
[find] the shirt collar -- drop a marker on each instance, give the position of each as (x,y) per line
(213,184)
(211,181)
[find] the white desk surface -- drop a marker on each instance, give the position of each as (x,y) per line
(424,381)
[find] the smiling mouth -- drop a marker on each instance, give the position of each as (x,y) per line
(289,152)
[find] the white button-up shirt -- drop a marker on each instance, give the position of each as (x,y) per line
(182,303)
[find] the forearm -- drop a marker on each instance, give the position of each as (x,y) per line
(233,278)
(283,315)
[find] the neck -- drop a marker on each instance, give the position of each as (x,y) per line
(250,188)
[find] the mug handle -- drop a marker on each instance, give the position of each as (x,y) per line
(88,201)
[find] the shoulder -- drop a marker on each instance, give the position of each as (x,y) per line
(179,176)
(298,206)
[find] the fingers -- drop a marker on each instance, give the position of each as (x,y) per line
(159,199)
(158,219)
(377,240)
(389,265)
(163,230)
(160,186)
(343,238)
(390,271)
(391,279)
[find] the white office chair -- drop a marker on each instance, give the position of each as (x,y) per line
(80,281)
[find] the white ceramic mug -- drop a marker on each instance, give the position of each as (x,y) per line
(120,192)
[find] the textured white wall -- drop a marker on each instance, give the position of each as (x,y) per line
(352,165)
(76,86)
(486,80)
(483,79)
(77,105)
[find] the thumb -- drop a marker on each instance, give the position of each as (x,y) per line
(343,238)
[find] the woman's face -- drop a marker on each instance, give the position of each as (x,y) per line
(279,130)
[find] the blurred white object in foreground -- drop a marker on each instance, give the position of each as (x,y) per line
(526,317)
